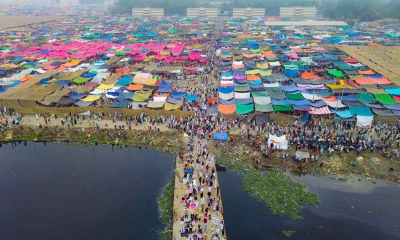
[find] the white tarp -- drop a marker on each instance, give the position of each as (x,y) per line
(237,62)
(274,64)
(364,120)
(239,95)
(337,104)
(222,82)
(111,96)
(311,96)
(39,70)
(160,99)
(279,142)
(98,91)
(218,52)
(227,96)
(153,104)
(261,100)
(302,155)
(267,85)
(87,113)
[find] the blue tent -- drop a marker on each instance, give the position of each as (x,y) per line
(226,102)
(178,94)
(244,101)
(280,102)
(126,80)
(125,95)
(344,114)
(123,104)
(165,87)
(361,111)
(291,73)
(63,82)
(174,100)
(393,91)
(225,90)
(75,95)
(317,104)
(221,136)
(190,97)
(301,107)
(83,103)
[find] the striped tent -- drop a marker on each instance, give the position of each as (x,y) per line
(319,111)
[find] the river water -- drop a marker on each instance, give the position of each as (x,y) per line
(59,191)
(341,215)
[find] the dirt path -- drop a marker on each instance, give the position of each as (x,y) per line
(181,190)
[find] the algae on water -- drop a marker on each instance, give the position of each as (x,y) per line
(288,234)
(165,207)
(279,192)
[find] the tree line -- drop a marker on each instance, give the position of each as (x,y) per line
(360,10)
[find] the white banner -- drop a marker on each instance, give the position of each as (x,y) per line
(279,142)
(364,120)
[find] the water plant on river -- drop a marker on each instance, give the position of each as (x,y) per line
(288,234)
(279,192)
(165,208)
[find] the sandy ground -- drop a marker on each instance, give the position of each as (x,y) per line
(18,21)
(31,121)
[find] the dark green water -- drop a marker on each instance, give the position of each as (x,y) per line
(342,214)
(65,192)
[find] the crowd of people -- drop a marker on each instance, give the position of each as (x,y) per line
(200,201)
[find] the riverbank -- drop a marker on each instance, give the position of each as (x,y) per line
(168,141)
(283,196)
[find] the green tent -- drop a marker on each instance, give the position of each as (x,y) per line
(365,98)
(291,67)
(80,80)
(244,108)
(141,96)
(298,63)
(385,99)
(344,66)
(264,107)
(254,71)
(336,73)
(245,88)
(295,96)
(265,73)
(282,108)
(356,76)
(272,59)
(260,94)
(120,53)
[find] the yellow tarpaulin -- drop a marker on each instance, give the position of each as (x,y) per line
(335,86)
(149,58)
(91,98)
(145,81)
(72,63)
(265,73)
(197,45)
(105,86)
(343,83)
(262,65)
(254,71)
(169,106)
